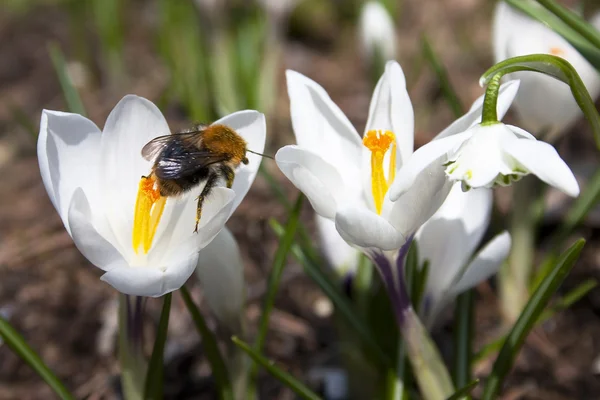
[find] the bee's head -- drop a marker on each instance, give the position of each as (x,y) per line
(245,161)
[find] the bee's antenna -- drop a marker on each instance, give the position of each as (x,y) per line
(260,154)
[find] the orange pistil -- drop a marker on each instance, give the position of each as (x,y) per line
(557,51)
(379,143)
(149,207)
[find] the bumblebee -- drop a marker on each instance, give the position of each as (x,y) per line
(184,160)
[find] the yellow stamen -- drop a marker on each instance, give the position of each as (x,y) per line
(557,51)
(379,144)
(149,207)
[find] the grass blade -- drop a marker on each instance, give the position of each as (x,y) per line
(154,377)
(528,319)
(574,21)
(463,339)
(18,344)
(288,380)
(211,348)
(341,302)
(464,391)
(74,103)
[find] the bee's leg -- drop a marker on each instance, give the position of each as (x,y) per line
(228,174)
(210,183)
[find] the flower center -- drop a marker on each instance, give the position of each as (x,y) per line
(379,143)
(149,207)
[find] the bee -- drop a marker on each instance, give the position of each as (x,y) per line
(204,153)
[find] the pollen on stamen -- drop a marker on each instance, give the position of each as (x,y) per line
(379,143)
(149,207)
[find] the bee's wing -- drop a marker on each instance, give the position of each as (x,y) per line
(153,148)
(185,164)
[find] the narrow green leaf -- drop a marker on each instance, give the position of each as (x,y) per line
(563,303)
(398,385)
(536,11)
(21,118)
(288,380)
(17,343)
(574,21)
(210,346)
(558,68)
(341,302)
(74,103)
(528,319)
(463,339)
(154,377)
(464,391)
(442,77)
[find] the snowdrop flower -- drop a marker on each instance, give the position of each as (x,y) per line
(377,33)
(448,240)
(544,103)
(92,178)
(221,274)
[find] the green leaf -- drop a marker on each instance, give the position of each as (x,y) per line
(536,11)
(558,68)
(210,346)
(288,380)
(442,76)
(18,344)
(342,303)
(528,318)
(74,103)
(464,391)
(463,338)
(154,377)
(574,21)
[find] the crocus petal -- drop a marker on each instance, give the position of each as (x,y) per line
(485,263)
(250,125)
(320,125)
(68,157)
(366,229)
(420,201)
(433,153)
(341,256)
(96,248)
(506,95)
(312,175)
(541,159)
(137,281)
(391,109)
(506,21)
(131,124)
(221,274)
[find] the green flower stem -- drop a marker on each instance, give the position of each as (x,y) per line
(515,275)
(131,357)
(428,368)
(490,101)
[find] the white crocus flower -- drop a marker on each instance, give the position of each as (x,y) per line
(544,104)
(92,178)
(448,240)
(377,33)
(346,179)
(221,274)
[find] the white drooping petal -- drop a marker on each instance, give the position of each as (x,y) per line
(364,228)
(480,160)
(341,256)
(415,205)
(506,95)
(391,109)
(137,281)
(251,126)
(320,181)
(485,263)
(449,238)
(433,154)
(88,240)
(68,157)
(131,124)
(377,34)
(541,159)
(221,274)
(319,124)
